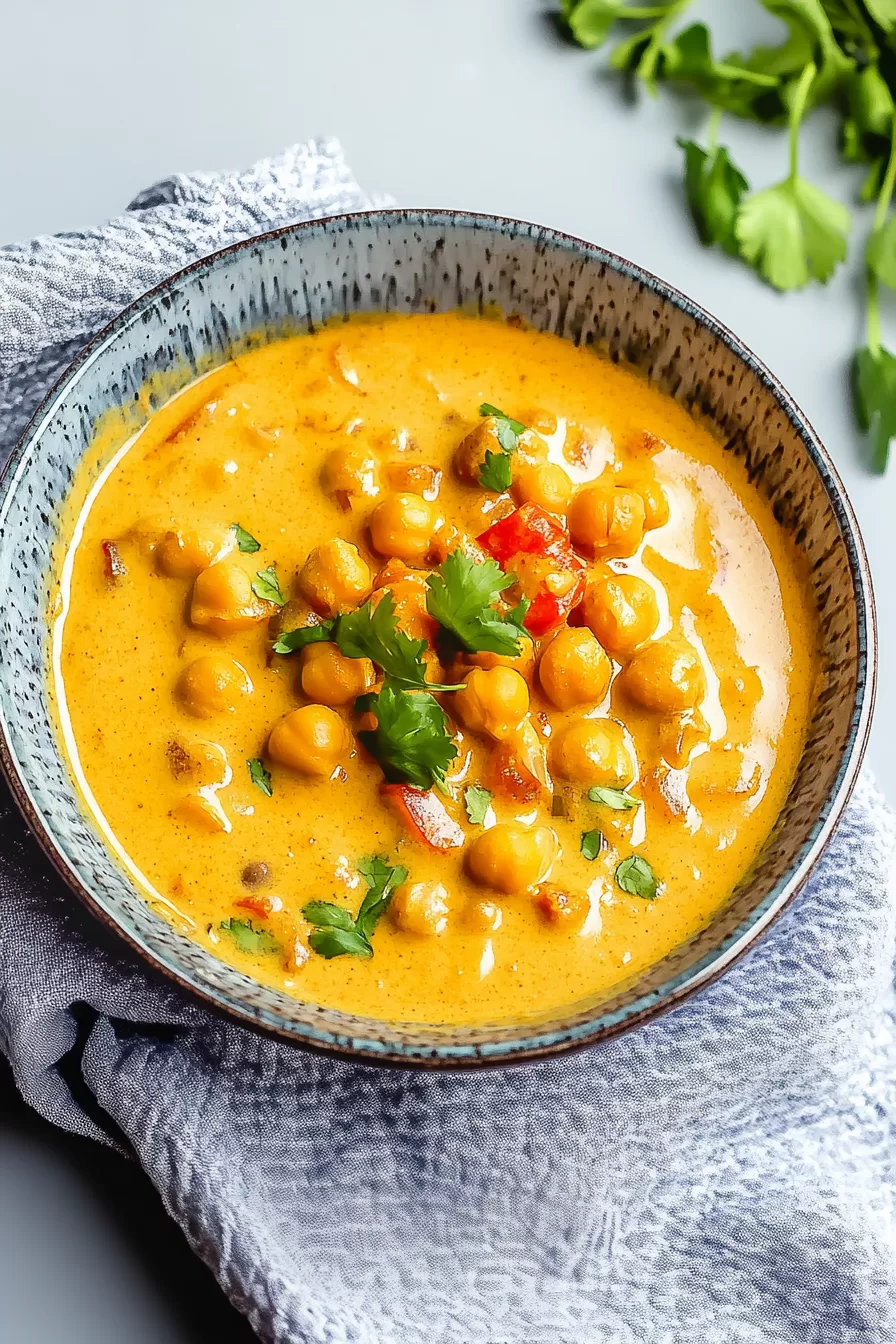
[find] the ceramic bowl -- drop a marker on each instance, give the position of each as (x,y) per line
(413,261)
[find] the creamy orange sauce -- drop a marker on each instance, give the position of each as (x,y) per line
(248,445)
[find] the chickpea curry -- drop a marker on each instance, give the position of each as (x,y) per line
(431,668)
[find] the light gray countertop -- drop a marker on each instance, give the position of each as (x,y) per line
(475,104)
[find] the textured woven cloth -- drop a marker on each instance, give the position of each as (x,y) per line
(724,1175)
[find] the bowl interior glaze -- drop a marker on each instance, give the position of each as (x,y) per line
(410,261)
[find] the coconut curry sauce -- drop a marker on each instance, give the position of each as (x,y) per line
(263,583)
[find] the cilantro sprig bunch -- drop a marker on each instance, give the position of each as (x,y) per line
(836,54)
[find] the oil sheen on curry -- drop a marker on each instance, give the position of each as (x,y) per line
(431,668)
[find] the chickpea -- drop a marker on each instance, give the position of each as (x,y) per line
(511,857)
(593,751)
(350,472)
(335,577)
(403,526)
(470,452)
(409,599)
(332,679)
(183,553)
(204,811)
(493,701)
(621,610)
(542,483)
(666,676)
(223,600)
(204,763)
(421,908)
(607,520)
(656,505)
(312,740)
(574,670)
(212,685)
(556,905)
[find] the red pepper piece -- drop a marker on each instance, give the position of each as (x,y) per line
(425,815)
(548,610)
(530,530)
(115,566)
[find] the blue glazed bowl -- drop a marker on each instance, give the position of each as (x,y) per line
(413,261)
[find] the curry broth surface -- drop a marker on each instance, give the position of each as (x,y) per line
(246,445)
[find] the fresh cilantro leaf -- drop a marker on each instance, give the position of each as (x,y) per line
(590,21)
(636,876)
(266,585)
(507,429)
(260,777)
(617,799)
(334,942)
(382,879)
(411,739)
(291,641)
(793,233)
(880,252)
(328,916)
(477,801)
(874,395)
(372,632)
(460,597)
(337,932)
(494,473)
(245,540)
(714,188)
(592,843)
(249,939)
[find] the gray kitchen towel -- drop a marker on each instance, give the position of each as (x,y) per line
(723,1175)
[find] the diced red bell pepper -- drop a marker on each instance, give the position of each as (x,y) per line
(517,768)
(425,815)
(530,530)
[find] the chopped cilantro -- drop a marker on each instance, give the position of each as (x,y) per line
(249,939)
(477,801)
(259,776)
(618,799)
(266,585)
(339,933)
(636,876)
(592,843)
(245,540)
(411,739)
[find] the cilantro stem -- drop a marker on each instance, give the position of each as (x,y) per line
(872,287)
(648,12)
(797,109)
(712,130)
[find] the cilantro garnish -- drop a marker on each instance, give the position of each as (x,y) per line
(371,632)
(477,801)
(411,741)
(618,799)
(494,473)
(592,843)
(841,56)
(260,777)
(339,933)
(291,641)
(266,585)
(494,470)
(636,876)
(248,938)
(461,597)
(245,540)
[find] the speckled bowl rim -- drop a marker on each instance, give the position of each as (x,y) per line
(540,1044)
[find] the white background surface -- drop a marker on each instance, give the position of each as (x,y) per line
(476,104)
